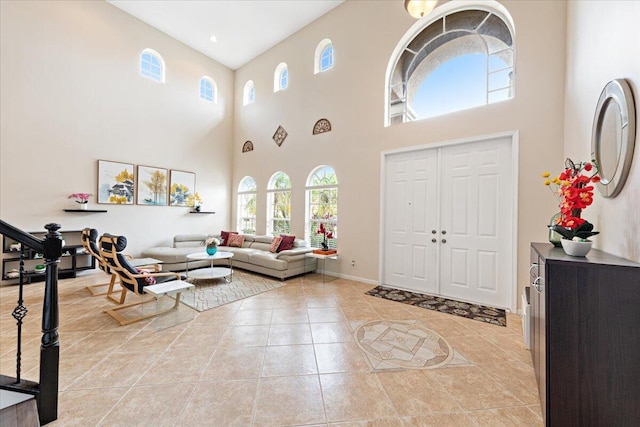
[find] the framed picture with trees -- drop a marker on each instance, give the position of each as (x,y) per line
(182,188)
(152,186)
(116,183)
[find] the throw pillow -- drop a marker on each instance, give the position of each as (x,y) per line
(149,280)
(287,242)
(235,240)
(274,244)
(225,237)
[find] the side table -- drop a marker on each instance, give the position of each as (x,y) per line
(322,258)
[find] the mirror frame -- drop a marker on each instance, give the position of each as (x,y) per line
(617,91)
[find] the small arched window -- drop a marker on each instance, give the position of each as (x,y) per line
(247,195)
(152,65)
(249,93)
(460,57)
(208,89)
(322,206)
(281,77)
(279,204)
(323,57)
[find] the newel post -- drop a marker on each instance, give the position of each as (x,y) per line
(50,349)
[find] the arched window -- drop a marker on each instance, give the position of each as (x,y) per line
(247,194)
(152,65)
(281,77)
(279,204)
(208,89)
(249,93)
(322,206)
(460,57)
(323,57)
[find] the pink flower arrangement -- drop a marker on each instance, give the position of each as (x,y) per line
(326,235)
(81,198)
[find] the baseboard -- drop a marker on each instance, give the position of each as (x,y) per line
(354,278)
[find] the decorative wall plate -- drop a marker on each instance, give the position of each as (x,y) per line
(280,135)
(248,146)
(322,126)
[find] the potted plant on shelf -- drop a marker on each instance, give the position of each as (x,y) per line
(81,198)
(574,194)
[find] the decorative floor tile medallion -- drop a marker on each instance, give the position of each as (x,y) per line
(394,344)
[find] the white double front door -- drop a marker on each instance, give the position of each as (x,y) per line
(448,221)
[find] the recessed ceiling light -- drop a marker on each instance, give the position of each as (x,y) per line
(213,39)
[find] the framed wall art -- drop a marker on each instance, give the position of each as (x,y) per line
(152,186)
(116,183)
(182,188)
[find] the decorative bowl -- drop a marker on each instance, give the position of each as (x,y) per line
(576,248)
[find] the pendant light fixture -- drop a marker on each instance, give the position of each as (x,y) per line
(419,8)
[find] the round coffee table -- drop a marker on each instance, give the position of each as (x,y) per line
(211,272)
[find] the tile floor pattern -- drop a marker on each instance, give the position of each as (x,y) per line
(286,357)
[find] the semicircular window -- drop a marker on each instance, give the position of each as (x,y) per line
(461,60)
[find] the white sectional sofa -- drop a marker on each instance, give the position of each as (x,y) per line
(254,255)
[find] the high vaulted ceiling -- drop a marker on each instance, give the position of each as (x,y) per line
(243,28)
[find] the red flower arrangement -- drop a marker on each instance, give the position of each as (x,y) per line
(574,192)
(327,235)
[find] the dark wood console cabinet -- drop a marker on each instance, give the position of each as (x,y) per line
(585,337)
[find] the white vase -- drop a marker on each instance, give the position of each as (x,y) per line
(575,248)
(83,206)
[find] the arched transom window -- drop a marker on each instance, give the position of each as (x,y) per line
(247,194)
(208,89)
(322,206)
(249,93)
(281,77)
(459,59)
(152,65)
(279,204)
(323,56)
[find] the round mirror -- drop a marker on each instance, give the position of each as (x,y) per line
(613,137)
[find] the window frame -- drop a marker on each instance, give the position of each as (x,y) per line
(243,198)
(312,224)
(272,193)
(321,48)
(148,74)
(214,89)
(281,73)
(400,107)
(249,93)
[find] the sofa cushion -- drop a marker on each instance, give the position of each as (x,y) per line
(188,240)
(287,242)
(235,240)
(170,255)
(267,260)
(275,243)
(239,254)
(225,237)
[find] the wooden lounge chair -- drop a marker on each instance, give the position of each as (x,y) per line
(131,279)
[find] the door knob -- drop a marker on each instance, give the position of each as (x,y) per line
(444,231)
(444,240)
(433,231)
(434,240)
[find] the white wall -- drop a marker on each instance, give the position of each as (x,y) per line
(72,94)
(603,44)
(351,96)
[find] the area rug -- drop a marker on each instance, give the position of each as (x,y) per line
(494,316)
(391,345)
(213,293)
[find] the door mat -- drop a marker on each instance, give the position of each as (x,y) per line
(482,313)
(212,293)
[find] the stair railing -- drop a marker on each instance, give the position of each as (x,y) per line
(46,391)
